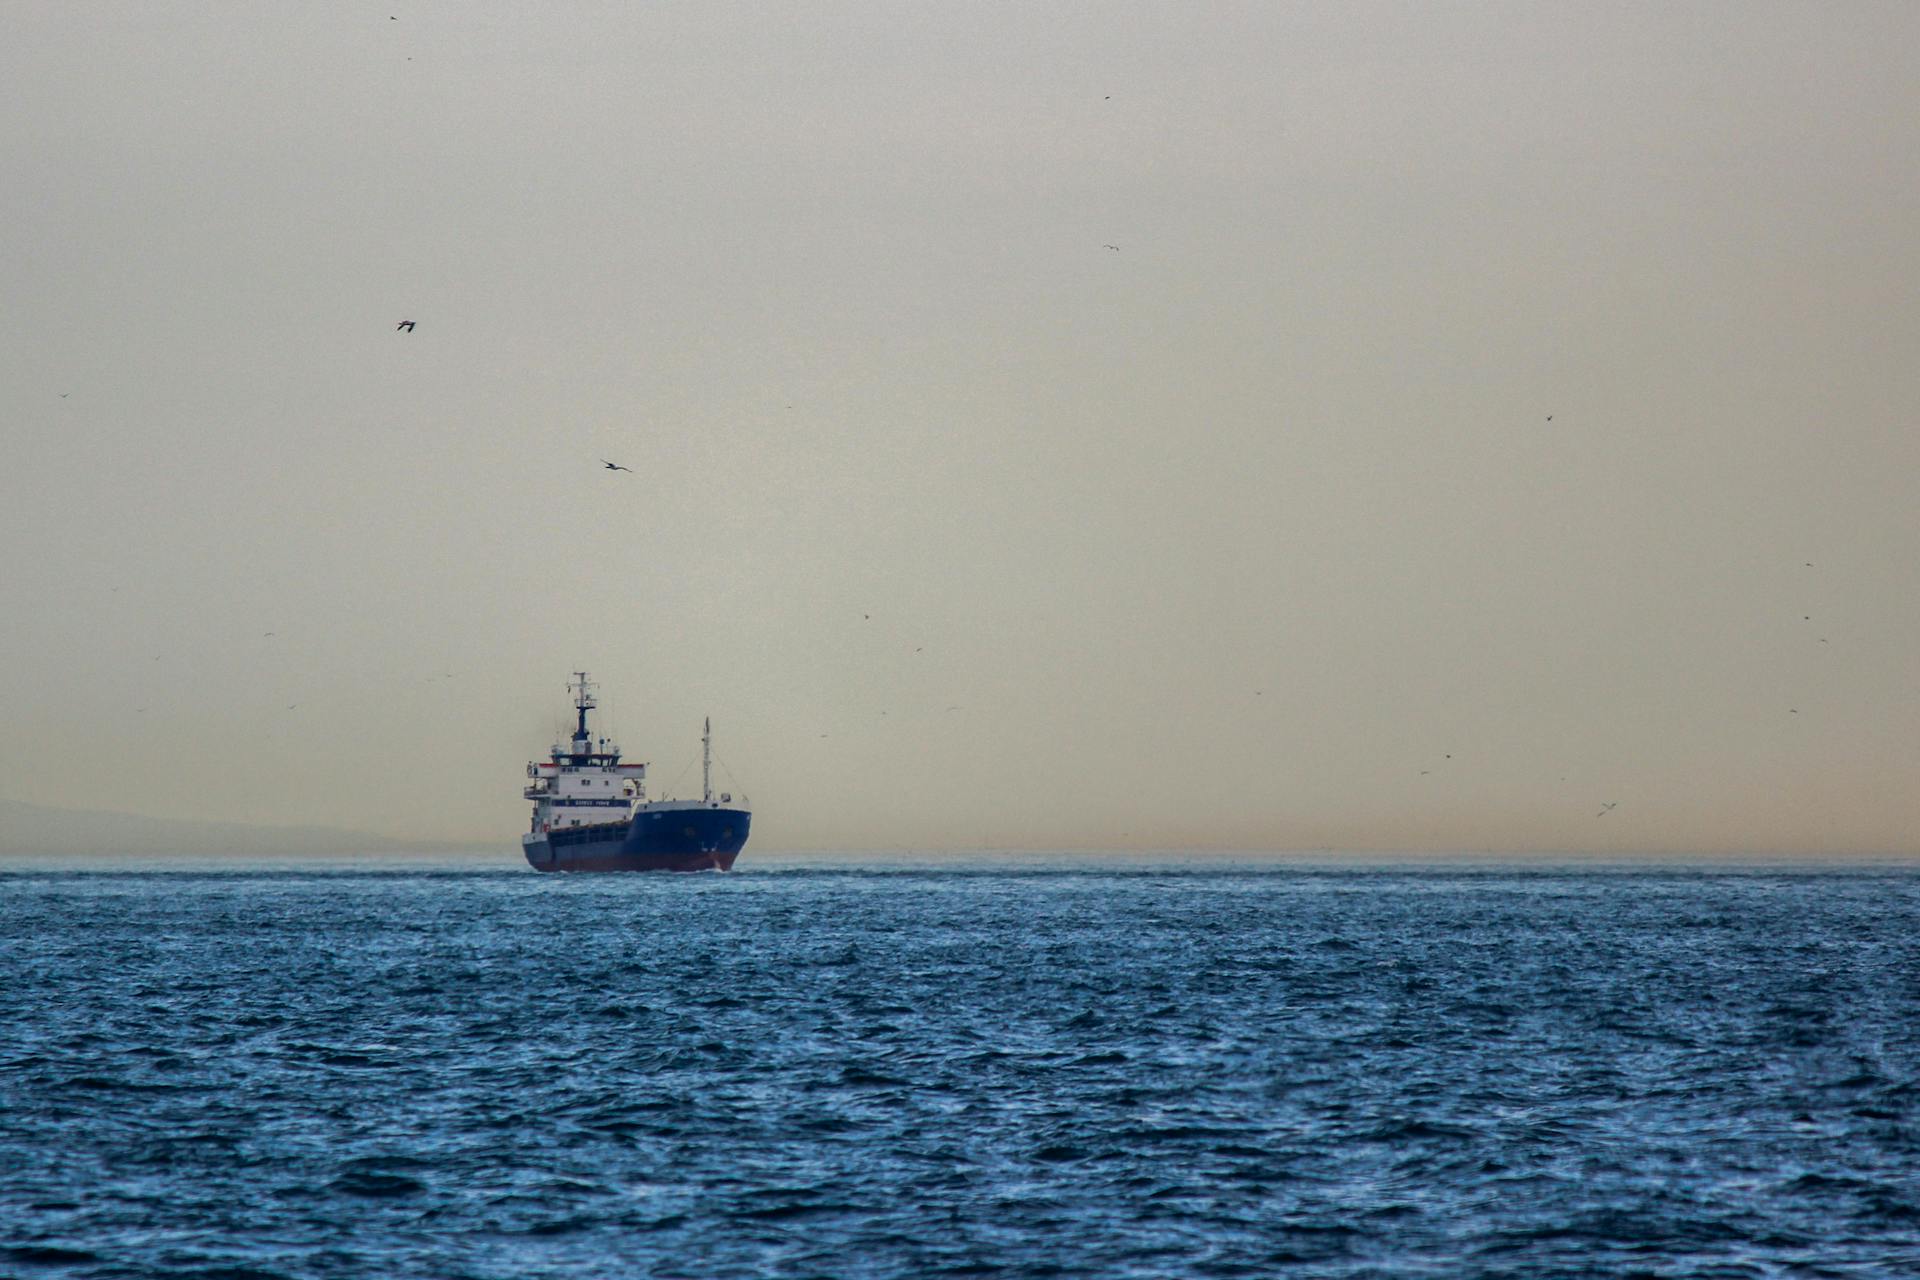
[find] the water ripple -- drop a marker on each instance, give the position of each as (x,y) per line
(1105,1072)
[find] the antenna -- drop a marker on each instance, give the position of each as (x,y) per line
(706,762)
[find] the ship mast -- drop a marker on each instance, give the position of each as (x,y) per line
(706,762)
(583,703)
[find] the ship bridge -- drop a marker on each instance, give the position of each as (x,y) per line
(583,778)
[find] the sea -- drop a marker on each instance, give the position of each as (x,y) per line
(1048,1066)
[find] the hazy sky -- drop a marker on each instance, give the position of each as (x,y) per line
(1254,532)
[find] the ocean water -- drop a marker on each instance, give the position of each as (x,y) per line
(1085,1068)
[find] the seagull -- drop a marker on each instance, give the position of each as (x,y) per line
(613,466)
(1606,808)
(405,326)
(1114,247)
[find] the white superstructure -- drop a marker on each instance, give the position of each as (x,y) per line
(584,783)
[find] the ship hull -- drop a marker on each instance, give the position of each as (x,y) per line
(690,839)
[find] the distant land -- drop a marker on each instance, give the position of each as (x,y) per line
(37,829)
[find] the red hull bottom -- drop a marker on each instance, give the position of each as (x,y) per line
(640,862)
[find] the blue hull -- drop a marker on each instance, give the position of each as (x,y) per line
(655,840)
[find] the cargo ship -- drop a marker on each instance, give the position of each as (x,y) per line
(591,811)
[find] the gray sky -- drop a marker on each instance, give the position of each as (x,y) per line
(1251,533)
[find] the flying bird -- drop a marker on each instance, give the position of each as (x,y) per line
(1114,247)
(614,466)
(1606,808)
(405,326)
